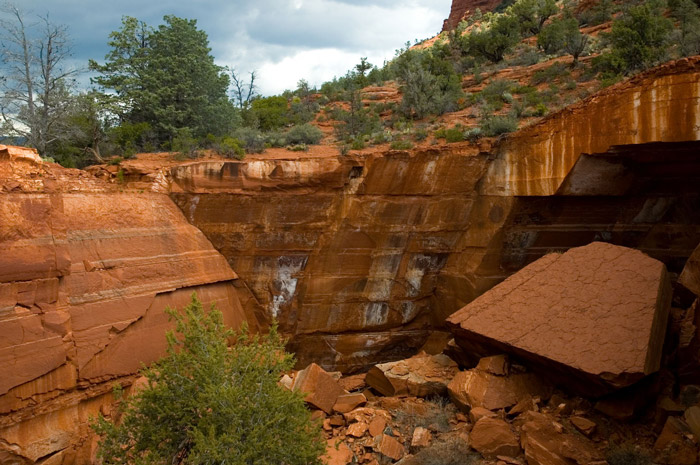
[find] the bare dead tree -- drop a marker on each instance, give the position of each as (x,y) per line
(243,92)
(36,84)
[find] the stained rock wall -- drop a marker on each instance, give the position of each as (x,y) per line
(360,256)
(84,279)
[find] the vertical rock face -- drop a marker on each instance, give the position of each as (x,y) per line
(84,279)
(344,253)
(358,256)
(462,9)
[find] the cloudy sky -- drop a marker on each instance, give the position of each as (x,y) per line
(283,40)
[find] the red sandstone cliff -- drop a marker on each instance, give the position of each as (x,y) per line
(462,9)
(85,274)
(359,257)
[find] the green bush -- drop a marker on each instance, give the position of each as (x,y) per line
(549,74)
(532,14)
(230,148)
(494,41)
(492,126)
(304,134)
(454,135)
(207,403)
(252,139)
(638,39)
(402,144)
(271,112)
(184,144)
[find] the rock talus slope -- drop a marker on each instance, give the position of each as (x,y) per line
(84,279)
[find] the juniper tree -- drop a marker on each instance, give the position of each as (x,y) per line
(208,403)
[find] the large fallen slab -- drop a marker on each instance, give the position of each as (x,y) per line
(593,318)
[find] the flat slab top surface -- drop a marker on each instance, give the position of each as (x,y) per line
(591,308)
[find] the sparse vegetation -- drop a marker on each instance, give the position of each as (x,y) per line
(433,414)
(452,451)
(208,403)
(627,455)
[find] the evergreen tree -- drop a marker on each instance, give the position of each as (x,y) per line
(206,403)
(638,38)
(167,78)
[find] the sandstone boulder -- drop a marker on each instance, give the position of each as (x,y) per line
(337,453)
(493,437)
(348,402)
(594,317)
(479,387)
(546,443)
(389,447)
(420,376)
(321,389)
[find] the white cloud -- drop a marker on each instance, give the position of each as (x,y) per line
(284,40)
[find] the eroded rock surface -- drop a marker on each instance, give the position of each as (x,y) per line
(421,376)
(596,312)
(359,256)
(84,279)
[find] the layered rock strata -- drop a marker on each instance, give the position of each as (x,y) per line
(462,9)
(84,279)
(360,256)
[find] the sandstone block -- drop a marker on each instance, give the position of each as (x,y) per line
(545,442)
(476,388)
(348,402)
(690,276)
(421,376)
(584,425)
(568,313)
(389,447)
(322,390)
(421,438)
(337,453)
(492,437)
(673,447)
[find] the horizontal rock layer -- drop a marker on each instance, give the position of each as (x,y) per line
(84,280)
(360,256)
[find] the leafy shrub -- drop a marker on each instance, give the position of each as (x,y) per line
(687,36)
(429,83)
(402,144)
(498,91)
(357,144)
(638,39)
(494,41)
(454,135)
(184,144)
(230,148)
(304,134)
(208,403)
(549,74)
(496,125)
(600,13)
(252,139)
(271,112)
(532,14)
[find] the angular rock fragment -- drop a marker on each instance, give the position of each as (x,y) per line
(566,314)
(421,376)
(349,402)
(322,390)
(479,388)
(389,447)
(421,438)
(492,437)
(673,445)
(584,425)
(545,442)
(337,453)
